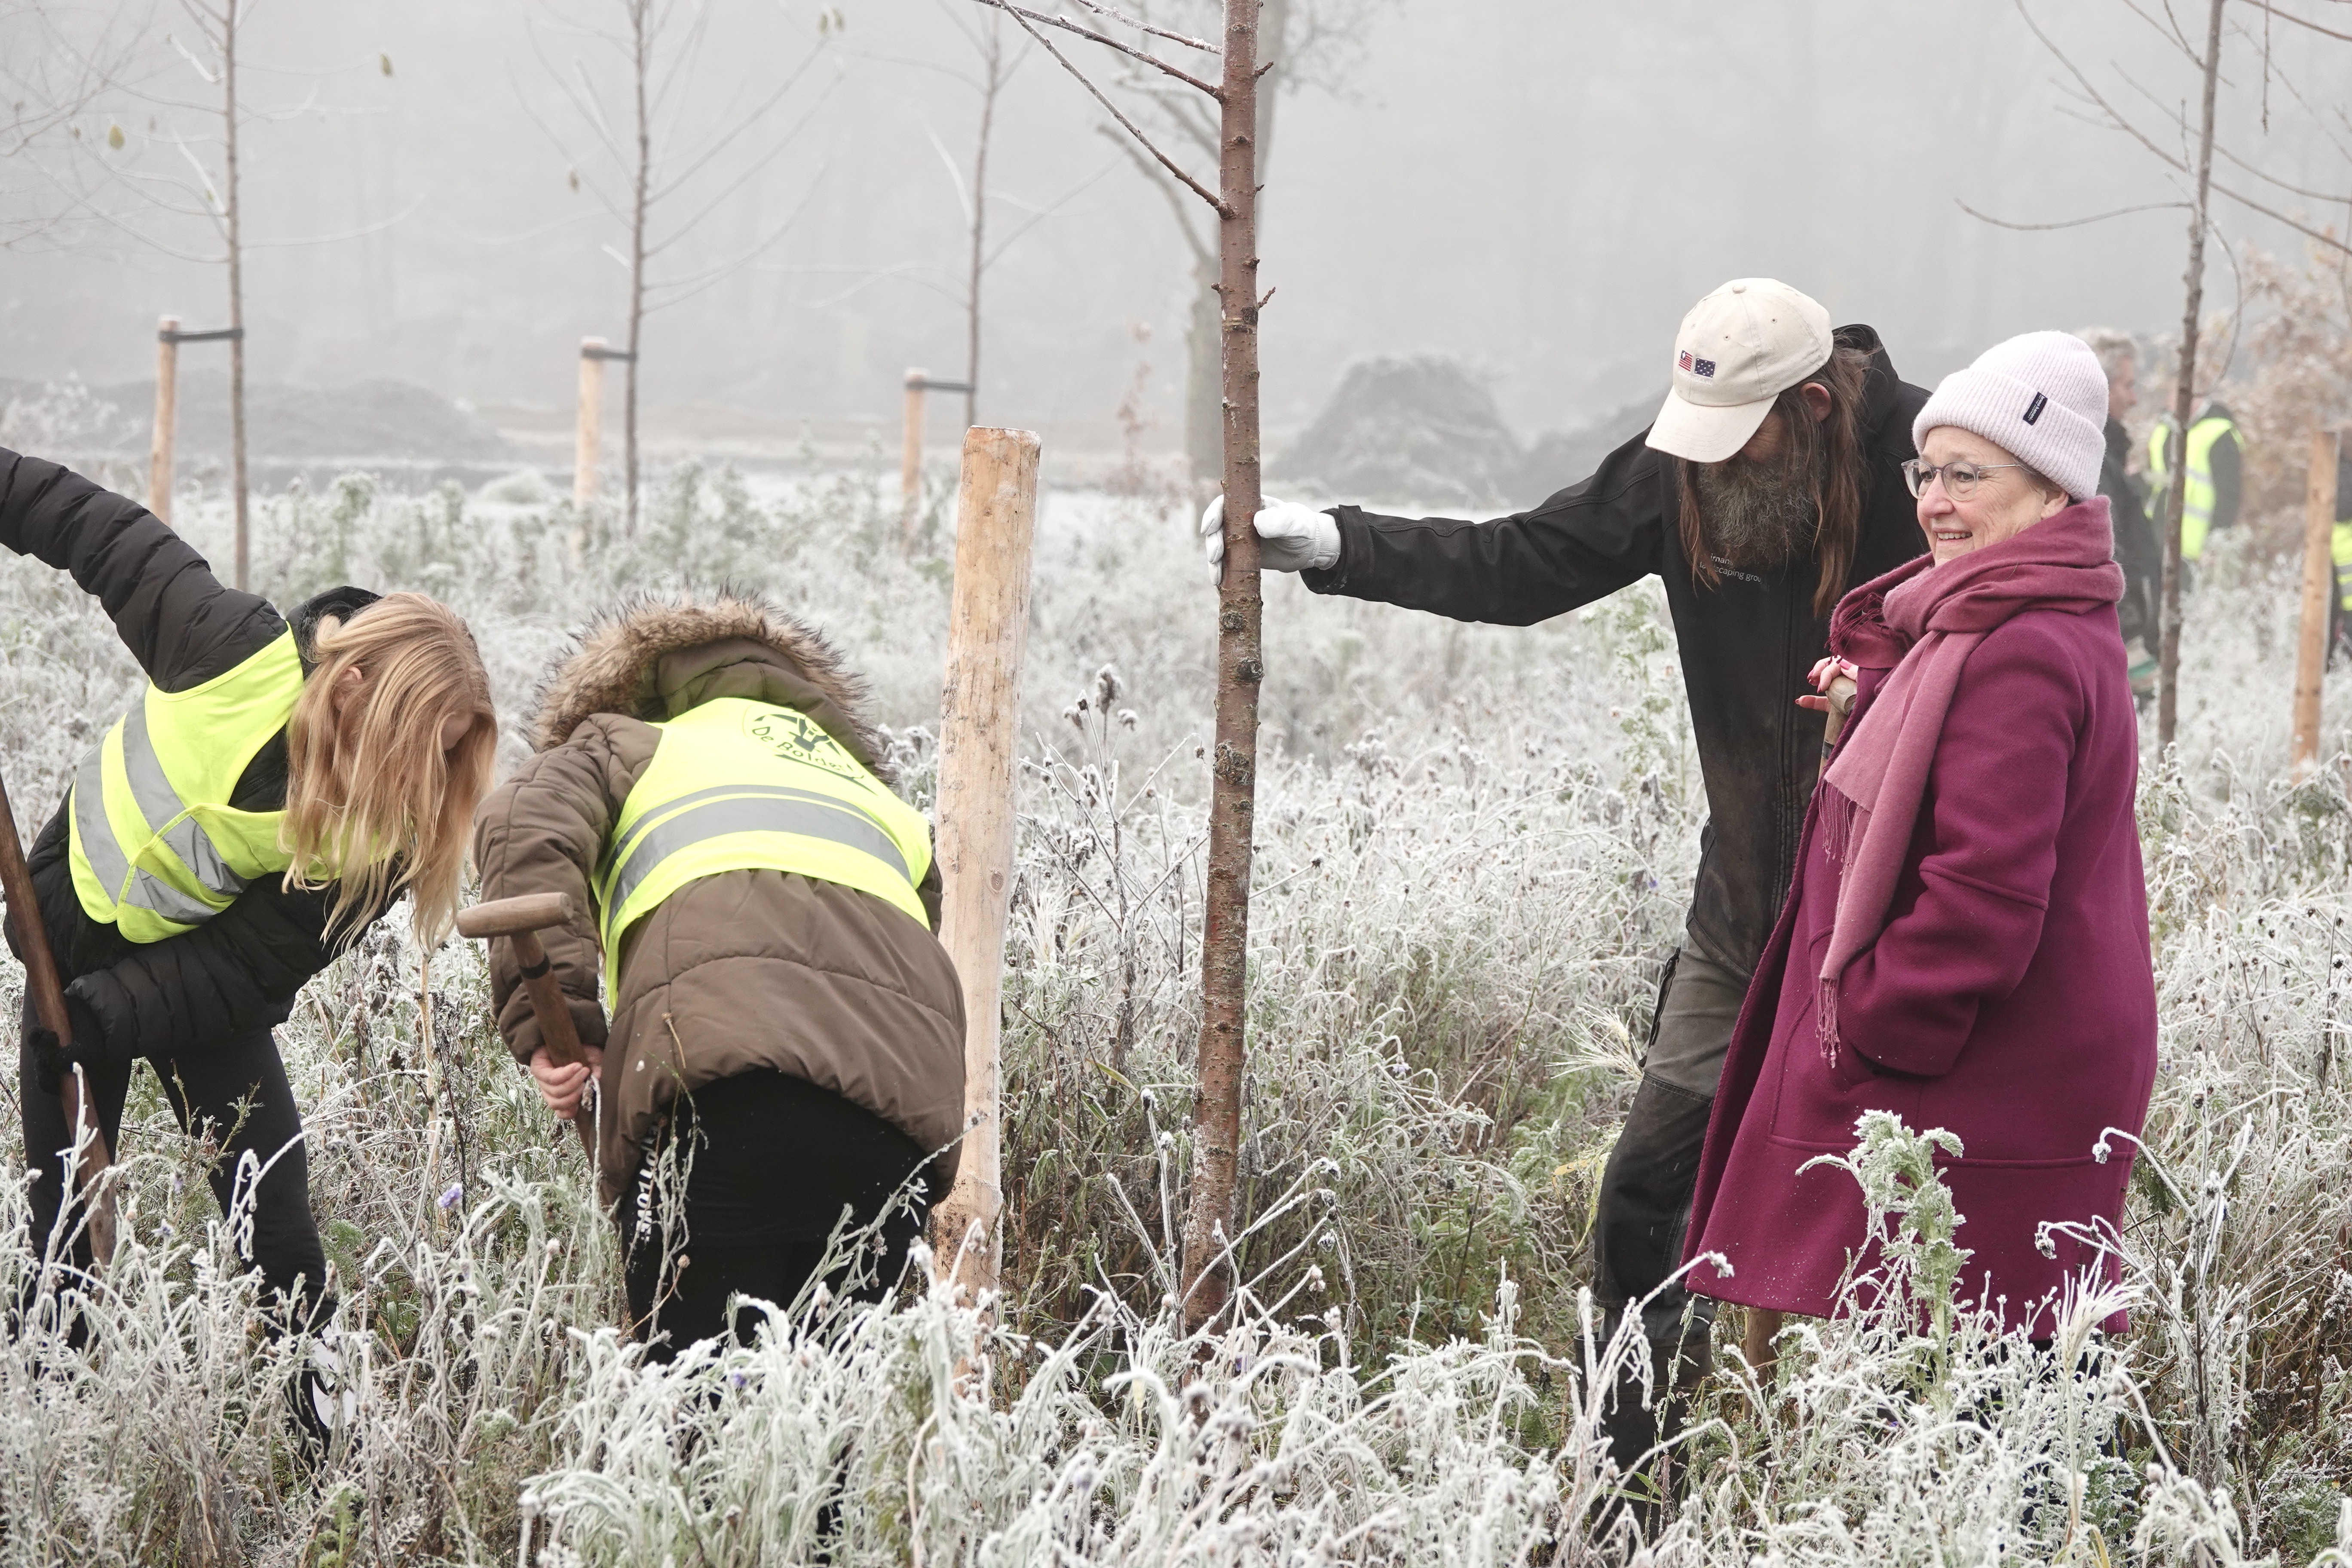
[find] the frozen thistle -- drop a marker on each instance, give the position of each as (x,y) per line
(449,1199)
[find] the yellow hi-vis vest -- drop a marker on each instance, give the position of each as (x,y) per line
(736,785)
(2199,495)
(156,849)
(2342,546)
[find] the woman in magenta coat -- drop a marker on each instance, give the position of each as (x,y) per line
(1965,941)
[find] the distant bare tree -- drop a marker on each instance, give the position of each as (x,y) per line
(56,61)
(1306,43)
(964,285)
(155,185)
(661,146)
(2187,149)
(994,73)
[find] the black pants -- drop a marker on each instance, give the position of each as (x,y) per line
(236,1088)
(1644,1207)
(740,1195)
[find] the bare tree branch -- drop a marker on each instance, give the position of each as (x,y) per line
(2266,6)
(2069,223)
(2318,236)
(1026,16)
(1042,213)
(1198,189)
(1201,253)
(1141,26)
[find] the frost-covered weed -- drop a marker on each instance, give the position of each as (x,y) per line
(1475,846)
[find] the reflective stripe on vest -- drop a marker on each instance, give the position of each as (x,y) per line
(795,800)
(154,847)
(2199,496)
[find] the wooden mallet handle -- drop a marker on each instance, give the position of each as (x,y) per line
(50,1005)
(521,920)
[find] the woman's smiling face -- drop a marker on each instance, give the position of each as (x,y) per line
(2006,501)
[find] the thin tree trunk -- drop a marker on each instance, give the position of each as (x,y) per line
(1203,413)
(1204,433)
(237,485)
(995,55)
(2184,397)
(1225,943)
(640,38)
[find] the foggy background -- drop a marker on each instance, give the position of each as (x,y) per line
(1539,186)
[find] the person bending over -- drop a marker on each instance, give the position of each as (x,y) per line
(787,1042)
(277,783)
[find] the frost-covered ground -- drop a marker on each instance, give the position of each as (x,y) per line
(1474,847)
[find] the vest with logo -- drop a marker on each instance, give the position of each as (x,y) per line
(736,785)
(154,847)
(2198,496)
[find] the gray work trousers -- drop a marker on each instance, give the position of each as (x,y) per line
(1645,1191)
(1645,1198)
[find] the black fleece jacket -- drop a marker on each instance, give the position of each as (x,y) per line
(240,970)
(1746,643)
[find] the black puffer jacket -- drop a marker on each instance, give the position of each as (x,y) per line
(240,970)
(1747,644)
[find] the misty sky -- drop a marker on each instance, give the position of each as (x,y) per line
(1542,186)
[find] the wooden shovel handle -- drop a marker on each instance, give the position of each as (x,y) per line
(32,936)
(49,1006)
(547,1002)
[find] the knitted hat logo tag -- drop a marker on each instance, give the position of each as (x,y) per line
(2033,409)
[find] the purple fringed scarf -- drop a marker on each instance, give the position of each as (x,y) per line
(1923,621)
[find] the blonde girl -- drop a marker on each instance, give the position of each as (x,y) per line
(279,782)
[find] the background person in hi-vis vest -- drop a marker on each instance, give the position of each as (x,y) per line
(207,858)
(786,1040)
(2217,467)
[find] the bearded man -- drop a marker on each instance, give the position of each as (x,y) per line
(1770,484)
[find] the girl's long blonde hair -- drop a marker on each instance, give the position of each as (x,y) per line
(373,805)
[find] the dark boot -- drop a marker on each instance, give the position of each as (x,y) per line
(1643,1212)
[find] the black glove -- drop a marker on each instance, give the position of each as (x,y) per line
(52,1061)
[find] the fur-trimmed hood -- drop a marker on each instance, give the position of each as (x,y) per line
(656,655)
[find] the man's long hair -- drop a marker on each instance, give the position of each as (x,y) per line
(1830,449)
(373,806)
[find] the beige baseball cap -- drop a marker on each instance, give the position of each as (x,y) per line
(1738,348)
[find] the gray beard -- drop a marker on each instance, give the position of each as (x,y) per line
(1756,519)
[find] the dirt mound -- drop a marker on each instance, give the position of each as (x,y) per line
(1421,429)
(373,419)
(1557,460)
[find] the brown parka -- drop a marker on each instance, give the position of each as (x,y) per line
(735,972)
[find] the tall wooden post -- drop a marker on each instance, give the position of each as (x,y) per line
(591,422)
(988,630)
(2318,587)
(167,413)
(910,463)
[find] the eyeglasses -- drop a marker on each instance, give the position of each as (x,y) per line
(1960,479)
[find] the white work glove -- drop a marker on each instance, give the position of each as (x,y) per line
(1291,537)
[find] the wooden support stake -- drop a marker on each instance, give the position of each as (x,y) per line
(2318,587)
(592,422)
(980,706)
(167,413)
(910,467)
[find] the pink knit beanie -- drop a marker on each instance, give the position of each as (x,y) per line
(2042,395)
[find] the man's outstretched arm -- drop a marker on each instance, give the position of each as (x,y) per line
(1584,543)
